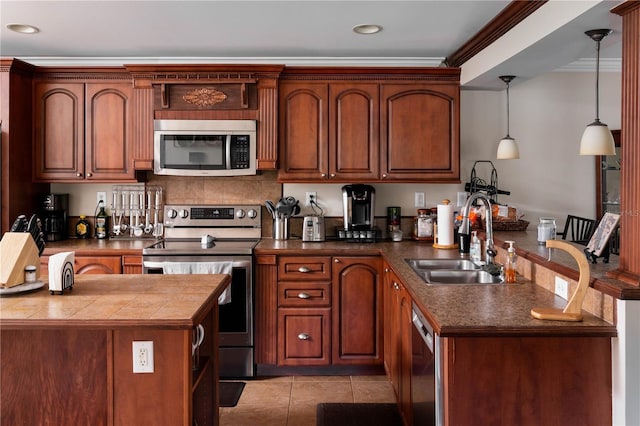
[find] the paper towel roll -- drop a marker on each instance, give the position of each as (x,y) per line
(445,224)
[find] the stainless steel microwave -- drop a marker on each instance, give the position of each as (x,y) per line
(204,147)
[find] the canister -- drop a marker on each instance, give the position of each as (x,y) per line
(546,229)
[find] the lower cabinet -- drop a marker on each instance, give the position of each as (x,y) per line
(126,264)
(304,336)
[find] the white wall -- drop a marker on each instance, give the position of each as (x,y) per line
(547,117)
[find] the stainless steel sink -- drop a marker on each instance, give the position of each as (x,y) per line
(457,264)
(451,271)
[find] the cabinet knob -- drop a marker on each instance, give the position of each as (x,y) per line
(333,175)
(304,270)
(304,336)
(384,176)
(78,174)
(336,260)
(396,286)
(323,175)
(303,295)
(386,269)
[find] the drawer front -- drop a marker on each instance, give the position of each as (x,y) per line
(304,336)
(304,294)
(307,268)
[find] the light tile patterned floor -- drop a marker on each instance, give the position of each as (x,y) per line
(291,401)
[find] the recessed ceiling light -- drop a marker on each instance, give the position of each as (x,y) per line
(367,29)
(23,28)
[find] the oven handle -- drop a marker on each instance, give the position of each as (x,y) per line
(149,264)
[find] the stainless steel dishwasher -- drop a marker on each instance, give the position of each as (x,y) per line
(426,381)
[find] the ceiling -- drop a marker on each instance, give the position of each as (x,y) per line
(415,33)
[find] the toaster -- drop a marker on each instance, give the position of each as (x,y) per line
(313,228)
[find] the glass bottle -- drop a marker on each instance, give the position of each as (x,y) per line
(102,224)
(423,224)
(546,230)
(83,227)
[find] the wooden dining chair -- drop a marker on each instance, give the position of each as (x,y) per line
(578,229)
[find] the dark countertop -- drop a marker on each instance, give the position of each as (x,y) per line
(459,310)
(95,247)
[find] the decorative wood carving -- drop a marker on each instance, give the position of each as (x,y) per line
(629,268)
(205,97)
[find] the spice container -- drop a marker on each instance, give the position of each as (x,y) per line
(423,226)
(83,228)
(30,274)
(546,230)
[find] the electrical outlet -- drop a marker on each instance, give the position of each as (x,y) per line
(143,357)
(101,196)
(562,288)
(418,199)
(311,195)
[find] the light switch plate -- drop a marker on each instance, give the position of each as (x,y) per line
(562,288)
(419,200)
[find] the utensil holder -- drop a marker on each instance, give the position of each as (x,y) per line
(281,228)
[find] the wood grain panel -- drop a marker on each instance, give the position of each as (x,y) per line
(629,270)
(142,128)
(267,149)
(37,386)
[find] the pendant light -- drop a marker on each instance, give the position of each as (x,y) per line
(597,139)
(508,148)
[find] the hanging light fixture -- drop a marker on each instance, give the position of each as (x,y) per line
(508,148)
(597,138)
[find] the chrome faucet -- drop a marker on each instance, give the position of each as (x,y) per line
(490,250)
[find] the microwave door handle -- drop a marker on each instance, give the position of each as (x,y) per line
(228,152)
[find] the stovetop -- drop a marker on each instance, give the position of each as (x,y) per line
(190,246)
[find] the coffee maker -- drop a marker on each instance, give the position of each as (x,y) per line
(54,209)
(358,207)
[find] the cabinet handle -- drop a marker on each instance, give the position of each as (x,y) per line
(303,295)
(304,270)
(78,174)
(304,336)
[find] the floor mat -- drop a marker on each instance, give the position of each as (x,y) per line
(230,393)
(345,414)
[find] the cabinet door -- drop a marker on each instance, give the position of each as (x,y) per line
(419,134)
(58,131)
(108,130)
(391,336)
(404,328)
(304,336)
(98,265)
(357,311)
(354,132)
(131,264)
(303,131)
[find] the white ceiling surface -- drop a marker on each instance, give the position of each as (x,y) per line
(415,33)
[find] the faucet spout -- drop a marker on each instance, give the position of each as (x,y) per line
(490,250)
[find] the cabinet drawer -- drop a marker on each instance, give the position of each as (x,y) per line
(304,336)
(306,294)
(305,268)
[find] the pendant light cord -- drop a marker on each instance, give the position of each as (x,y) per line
(597,81)
(508,109)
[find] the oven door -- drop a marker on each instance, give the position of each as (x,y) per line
(235,318)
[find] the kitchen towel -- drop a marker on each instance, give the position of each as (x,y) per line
(202,268)
(445,223)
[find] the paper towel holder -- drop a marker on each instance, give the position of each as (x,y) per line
(436,244)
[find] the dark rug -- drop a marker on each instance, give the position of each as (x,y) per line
(230,393)
(346,414)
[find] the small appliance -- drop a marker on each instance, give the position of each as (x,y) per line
(358,207)
(313,228)
(54,209)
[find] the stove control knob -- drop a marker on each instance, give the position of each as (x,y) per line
(172,213)
(183,213)
(252,214)
(240,214)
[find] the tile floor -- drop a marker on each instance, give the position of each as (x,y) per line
(291,400)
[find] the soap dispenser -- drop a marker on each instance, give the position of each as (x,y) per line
(475,247)
(510,264)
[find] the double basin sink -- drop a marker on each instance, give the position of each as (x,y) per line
(452,271)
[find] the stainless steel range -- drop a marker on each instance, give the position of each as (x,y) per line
(204,239)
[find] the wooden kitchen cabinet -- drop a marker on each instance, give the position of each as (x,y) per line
(398,340)
(369,124)
(82,131)
(90,264)
(357,311)
(329,131)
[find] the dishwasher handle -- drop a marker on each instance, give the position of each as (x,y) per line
(424,329)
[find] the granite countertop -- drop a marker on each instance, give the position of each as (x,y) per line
(116,301)
(459,310)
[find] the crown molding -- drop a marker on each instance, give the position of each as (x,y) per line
(287,61)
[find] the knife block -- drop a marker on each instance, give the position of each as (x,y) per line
(17,250)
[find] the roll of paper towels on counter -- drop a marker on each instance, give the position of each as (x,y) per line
(445,223)
(61,272)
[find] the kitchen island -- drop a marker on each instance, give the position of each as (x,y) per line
(68,359)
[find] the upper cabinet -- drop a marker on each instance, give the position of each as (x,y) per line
(369,124)
(82,130)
